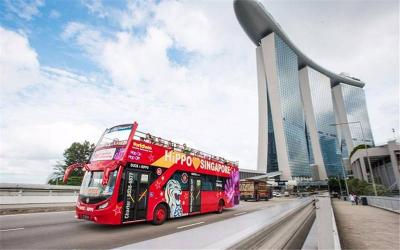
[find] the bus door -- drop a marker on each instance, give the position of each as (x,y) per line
(135,195)
(195,194)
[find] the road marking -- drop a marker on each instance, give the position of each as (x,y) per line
(11,229)
(240,213)
(190,225)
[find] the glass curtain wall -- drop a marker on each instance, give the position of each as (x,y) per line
(321,98)
(292,109)
(356,110)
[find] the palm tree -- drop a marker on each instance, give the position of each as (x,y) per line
(57,175)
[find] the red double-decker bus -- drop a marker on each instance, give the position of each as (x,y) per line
(134,176)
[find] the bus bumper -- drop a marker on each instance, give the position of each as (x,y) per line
(110,215)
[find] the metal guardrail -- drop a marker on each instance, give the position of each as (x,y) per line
(13,193)
(388,203)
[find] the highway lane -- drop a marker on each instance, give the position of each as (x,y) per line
(60,230)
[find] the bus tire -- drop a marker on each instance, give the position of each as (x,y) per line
(160,214)
(220,207)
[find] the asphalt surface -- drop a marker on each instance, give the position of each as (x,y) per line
(60,230)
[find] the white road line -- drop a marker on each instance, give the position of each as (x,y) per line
(190,225)
(11,229)
(240,213)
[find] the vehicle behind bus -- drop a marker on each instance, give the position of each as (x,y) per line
(134,176)
(254,190)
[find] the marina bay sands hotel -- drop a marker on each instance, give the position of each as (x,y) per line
(310,119)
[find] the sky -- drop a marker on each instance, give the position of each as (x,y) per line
(184,70)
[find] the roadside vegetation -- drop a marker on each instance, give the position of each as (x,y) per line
(356,186)
(76,153)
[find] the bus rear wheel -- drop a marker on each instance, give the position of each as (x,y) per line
(160,214)
(220,207)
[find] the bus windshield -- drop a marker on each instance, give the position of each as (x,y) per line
(116,136)
(92,191)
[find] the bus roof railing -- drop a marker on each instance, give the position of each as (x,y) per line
(147,137)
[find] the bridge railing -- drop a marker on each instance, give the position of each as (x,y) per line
(13,193)
(388,203)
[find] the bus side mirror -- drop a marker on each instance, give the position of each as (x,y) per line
(106,175)
(71,169)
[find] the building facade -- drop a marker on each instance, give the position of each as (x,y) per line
(385,164)
(308,116)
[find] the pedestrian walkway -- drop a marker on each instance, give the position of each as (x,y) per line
(366,227)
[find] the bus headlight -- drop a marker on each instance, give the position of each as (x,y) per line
(104,205)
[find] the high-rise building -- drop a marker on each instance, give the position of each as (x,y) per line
(301,104)
(351,108)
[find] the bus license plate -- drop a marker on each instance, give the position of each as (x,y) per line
(86,217)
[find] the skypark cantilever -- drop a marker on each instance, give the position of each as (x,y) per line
(297,101)
(258,23)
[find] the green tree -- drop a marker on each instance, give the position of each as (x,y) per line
(76,153)
(361,187)
(334,186)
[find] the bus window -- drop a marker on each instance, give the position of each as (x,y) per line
(209,183)
(92,191)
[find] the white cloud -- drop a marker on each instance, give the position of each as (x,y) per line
(25,9)
(96,7)
(137,14)
(19,63)
(190,27)
(54,14)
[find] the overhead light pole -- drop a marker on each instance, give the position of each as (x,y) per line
(366,151)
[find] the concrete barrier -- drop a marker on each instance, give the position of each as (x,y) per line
(323,233)
(277,226)
(388,203)
(328,236)
(13,193)
(288,232)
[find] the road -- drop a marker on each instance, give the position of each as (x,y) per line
(60,230)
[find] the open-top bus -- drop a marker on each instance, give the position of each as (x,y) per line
(134,176)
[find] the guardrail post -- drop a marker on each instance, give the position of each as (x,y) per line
(20,192)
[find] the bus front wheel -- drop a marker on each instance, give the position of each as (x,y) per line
(160,214)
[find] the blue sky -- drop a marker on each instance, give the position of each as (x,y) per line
(184,70)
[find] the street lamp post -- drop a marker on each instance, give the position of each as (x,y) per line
(345,179)
(366,151)
(340,187)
